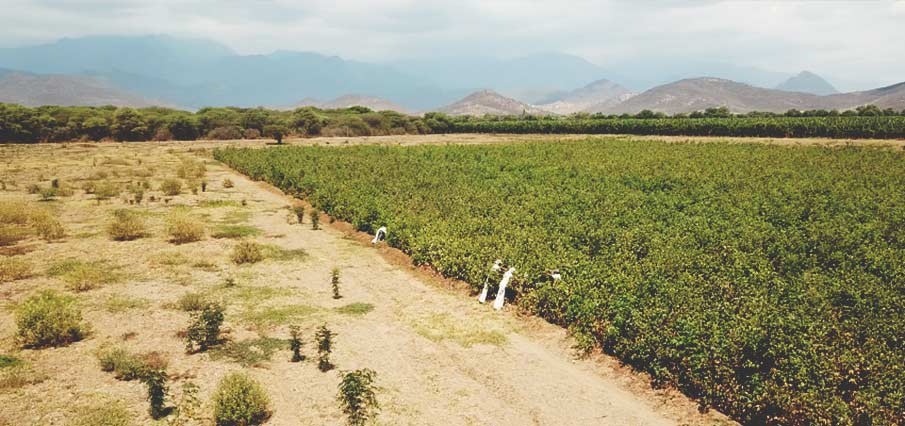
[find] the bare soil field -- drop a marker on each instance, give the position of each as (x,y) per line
(440,357)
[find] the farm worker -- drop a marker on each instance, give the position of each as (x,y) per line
(380,236)
(497,265)
(501,293)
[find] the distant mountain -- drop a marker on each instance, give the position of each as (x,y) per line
(598,93)
(489,102)
(701,93)
(346,101)
(807,82)
(36,90)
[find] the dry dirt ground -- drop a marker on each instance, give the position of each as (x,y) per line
(440,357)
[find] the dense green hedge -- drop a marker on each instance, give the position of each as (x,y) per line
(766,281)
(881,127)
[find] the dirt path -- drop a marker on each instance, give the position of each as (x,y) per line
(444,359)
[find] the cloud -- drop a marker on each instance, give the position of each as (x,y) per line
(857,41)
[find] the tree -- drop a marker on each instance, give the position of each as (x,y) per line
(254,119)
(183,127)
(129,125)
(305,121)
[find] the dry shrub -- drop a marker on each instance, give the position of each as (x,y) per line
(247,252)
(191,169)
(171,187)
(183,228)
(225,133)
(16,216)
(48,227)
(126,226)
(105,413)
(13,269)
(12,234)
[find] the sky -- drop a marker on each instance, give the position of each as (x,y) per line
(855,43)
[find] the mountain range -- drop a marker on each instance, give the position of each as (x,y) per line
(192,73)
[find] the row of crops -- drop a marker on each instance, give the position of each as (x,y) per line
(765,281)
(878,127)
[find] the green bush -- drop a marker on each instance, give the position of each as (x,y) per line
(324,341)
(247,252)
(126,226)
(49,319)
(204,330)
(240,401)
(357,396)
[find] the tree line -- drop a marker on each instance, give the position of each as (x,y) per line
(20,124)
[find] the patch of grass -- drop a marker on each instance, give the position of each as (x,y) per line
(191,169)
(249,295)
(206,265)
(213,204)
(49,319)
(128,366)
(19,376)
(183,228)
(355,309)
(236,231)
(9,361)
(62,267)
(442,327)
(88,276)
(236,216)
(126,226)
(170,258)
(120,304)
(247,252)
(12,234)
(14,269)
(102,413)
(17,217)
(273,316)
(249,352)
(280,254)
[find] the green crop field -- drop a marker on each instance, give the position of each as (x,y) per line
(766,281)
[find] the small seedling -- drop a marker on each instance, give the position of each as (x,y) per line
(299,213)
(315,219)
(334,280)
(204,186)
(295,343)
(204,331)
(324,340)
(230,282)
(357,396)
(156,381)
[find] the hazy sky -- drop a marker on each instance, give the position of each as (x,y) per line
(858,41)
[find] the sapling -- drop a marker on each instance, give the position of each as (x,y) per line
(357,396)
(205,328)
(299,213)
(204,186)
(295,343)
(324,340)
(315,219)
(156,381)
(334,280)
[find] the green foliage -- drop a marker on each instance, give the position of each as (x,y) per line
(235,231)
(124,365)
(357,396)
(762,280)
(315,215)
(324,341)
(247,252)
(8,361)
(240,401)
(126,226)
(204,331)
(156,382)
(334,282)
(48,319)
(355,309)
(299,212)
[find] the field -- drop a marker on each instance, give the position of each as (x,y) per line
(765,281)
(439,357)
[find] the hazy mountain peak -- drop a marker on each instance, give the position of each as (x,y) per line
(487,101)
(807,82)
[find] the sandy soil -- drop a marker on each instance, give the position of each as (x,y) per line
(441,358)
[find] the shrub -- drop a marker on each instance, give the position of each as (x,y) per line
(247,252)
(192,302)
(204,331)
(324,340)
(191,169)
(315,219)
(182,228)
(171,187)
(123,365)
(87,276)
(295,344)
(48,319)
(251,134)
(334,281)
(13,269)
(357,396)
(240,401)
(47,226)
(299,213)
(105,191)
(126,226)
(227,183)
(225,133)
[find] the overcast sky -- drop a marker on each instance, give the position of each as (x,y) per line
(862,42)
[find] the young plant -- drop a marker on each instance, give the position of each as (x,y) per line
(295,343)
(334,281)
(315,219)
(299,213)
(204,331)
(324,340)
(204,186)
(156,381)
(357,396)
(240,401)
